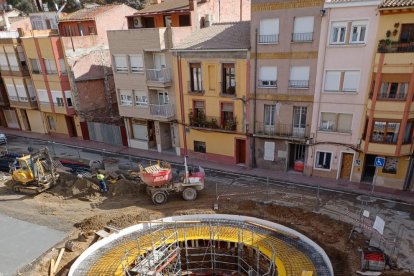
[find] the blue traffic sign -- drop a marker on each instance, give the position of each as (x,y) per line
(379,162)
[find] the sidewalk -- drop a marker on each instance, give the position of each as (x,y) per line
(339,185)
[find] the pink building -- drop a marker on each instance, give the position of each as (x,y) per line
(346,51)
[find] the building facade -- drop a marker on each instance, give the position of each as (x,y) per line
(211,69)
(284,45)
(142,65)
(346,50)
(390,113)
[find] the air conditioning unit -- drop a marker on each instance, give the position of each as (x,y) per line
(137,22)
(208,20)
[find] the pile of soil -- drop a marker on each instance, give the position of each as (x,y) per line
(124,187)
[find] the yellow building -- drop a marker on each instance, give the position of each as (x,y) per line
(211,69)
(390,110)
(48,69)
(23,113)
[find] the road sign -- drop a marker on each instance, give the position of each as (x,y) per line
(379,162)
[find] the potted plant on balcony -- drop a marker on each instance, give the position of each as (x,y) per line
(213,123)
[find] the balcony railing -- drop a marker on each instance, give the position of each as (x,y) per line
(333,128)
(195,89)
(282,130)
(395,47)
(9,34)
(298,83)
(211,122)
(159,75)
(388,139)
(268,83)
(395,97)
(227,91)
(269,39)
(302,37)
(162,110)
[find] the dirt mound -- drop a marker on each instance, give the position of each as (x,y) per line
(193,212)
(124,187)
(121,220)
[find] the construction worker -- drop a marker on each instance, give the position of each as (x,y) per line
(102,184)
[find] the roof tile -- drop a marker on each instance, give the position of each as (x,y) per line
(87,13)
(397,3)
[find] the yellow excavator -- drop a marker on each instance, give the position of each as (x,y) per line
(34,173)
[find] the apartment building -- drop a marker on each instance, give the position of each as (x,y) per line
(84,38)
(284,45)
(21,95)
(142,65)
(211,69)
(48,70)
(346,51)
(390,113)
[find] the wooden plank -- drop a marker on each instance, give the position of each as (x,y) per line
(52,267)
(59,258)
(102,233)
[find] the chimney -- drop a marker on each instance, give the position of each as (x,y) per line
(6,21)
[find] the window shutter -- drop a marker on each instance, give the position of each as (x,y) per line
(12,60)
(43,97)
(351,80)
(268,73)
(55,95)
(21,91)
(121,63)
(140,131)
(269,151)
(30,89)
(269,26)
(11,90)
(332,79)
(3,60)
(227,107)
(198,104)
(299,73)
(22,57)
(303,25)
(136,63)
(344,122)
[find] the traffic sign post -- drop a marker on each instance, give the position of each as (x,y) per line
(379,162)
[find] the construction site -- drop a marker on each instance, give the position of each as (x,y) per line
(235,225)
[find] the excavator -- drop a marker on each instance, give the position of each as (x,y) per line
(34,173)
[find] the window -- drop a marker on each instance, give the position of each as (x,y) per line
(269,114)
(299,120)
(30,89)
(200,146)
(163,97)
(137,64)
(51,122)
(385,132)
(36,69)
(199,109)
(37,24)
(341,81)
(184,20)
(227,119)
(323,160)
(229,79)
(68,96)
(91,30)
(126,97)
(21,92)
(303,29)
(141,98)
(393,90)
(148,22)
(50,66)
(195,77)
(14,65)
(11,91)
(120,63)
(43,96)
(299,77)
(269,31)
(358,32)
(268,76)
(408,133)
(336,122)
(4,65)
(407,33)
(338,33)
(390,166)
(57,98)
(140,131)
(62,65)
(22,57)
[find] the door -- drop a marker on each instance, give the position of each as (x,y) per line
(240,151)
(346,165)
(152,140)
(70,122)
(269,119)
(159,61)
(299,121)
(369,168)
(163,97)
(25,120)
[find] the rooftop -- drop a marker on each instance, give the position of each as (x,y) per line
(232,35)
(397,4)
(87,13)
(166,6)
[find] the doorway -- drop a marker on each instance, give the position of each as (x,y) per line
(152,139)
(240,151)
(296,155)
(369,168)
(346,165)
(70,122)
(25,120)
(299,121)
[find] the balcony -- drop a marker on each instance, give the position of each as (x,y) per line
(165,111)
(298,84)
(302,37)
(215,123)
(282,130)
(159,77)
(395,47)
(269,39)
(24,103)
(390,97)
(268,83)
(196,88)
(332,128)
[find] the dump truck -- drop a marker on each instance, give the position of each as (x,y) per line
(160,182)
(34,173)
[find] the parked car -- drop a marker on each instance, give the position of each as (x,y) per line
(3,139)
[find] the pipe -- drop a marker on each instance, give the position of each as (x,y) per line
(180,89)
(254,103)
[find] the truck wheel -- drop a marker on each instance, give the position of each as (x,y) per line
(189,194)
(159,197)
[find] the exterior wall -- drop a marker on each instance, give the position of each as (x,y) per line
(225,150)
(284,54)
(342,57)
(90,94)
